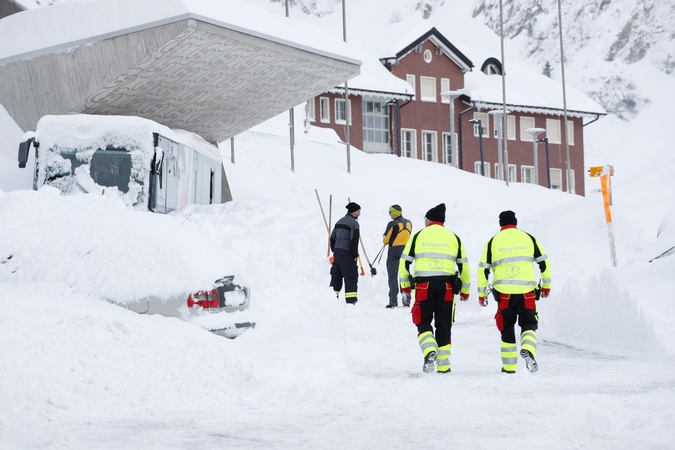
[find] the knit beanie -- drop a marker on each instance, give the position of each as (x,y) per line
(437,213)
(352,207)
(507,218)
(395,210)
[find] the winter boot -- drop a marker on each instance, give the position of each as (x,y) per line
(429,361)
(530,362)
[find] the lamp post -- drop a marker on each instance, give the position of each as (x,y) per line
(535,132)
(548,166)
(398,124)
(498,115)
(480,139)
(451,96)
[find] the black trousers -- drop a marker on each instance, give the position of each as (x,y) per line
(433,301)
(512,308)
(344,268)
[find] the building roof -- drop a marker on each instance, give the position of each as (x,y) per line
(207,66)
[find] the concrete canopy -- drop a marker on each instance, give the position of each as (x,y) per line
(188,71)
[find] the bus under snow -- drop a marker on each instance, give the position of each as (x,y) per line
(149,166)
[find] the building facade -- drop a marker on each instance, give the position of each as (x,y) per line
(419,126)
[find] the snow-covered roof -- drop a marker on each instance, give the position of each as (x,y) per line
(206,66)
(94,21)
(526,90)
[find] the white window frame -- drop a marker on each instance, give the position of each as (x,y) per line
(311,109)
(410,78)
(428,56)
(412,151)
(513,173)
(573,185)
(341,101)
(510,124)
(525,124)
(556,176)
(445,87)
(570,132)
(485,122)
(324,109)
(434,145)
(447,149)
(527,174)
(553,131)
(428,89)
(486,168)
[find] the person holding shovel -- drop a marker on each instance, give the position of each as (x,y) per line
(396,236)
(344,242)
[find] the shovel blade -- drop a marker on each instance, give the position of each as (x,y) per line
(373,271)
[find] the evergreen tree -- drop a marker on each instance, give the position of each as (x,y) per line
(547,69)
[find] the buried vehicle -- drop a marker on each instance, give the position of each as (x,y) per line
(150,168)
(148,165)
(204,308)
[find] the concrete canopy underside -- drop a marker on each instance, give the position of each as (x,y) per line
(189,74)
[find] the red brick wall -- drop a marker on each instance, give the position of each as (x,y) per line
(421,115)
(356,128)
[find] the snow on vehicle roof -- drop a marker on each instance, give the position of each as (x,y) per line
(88,131)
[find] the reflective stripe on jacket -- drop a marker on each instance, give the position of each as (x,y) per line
(512,254)
(435,255)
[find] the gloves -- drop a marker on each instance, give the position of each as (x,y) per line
(331,260)
(545,292)
(406,291)
(463,297)
(482,300)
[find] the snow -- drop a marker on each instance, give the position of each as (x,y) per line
(79,371)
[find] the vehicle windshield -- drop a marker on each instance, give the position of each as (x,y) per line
(111,167)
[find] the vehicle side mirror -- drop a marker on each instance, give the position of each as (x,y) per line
(24,150)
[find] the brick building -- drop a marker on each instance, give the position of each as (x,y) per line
(405,100)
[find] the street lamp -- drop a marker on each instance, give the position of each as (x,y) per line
(498,115)
(452,95)
(480,139)
(398,124)
(535,132)
(548,166)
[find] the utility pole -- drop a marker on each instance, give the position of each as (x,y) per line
(348,109)
(291,122)
(562,73)
(504,112)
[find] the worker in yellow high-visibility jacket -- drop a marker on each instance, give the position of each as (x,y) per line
(434,251)
(512,255)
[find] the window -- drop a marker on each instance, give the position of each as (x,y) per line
(428,89)
(324,105)
(375,126)
(445,86)
(553,131)
(570,132)
(427,56)
(311,110)
(447,149)
(429,145)
(340,111)
(527,174)
(483,117)
(486,168)
(411,81)
(511,126)
(556,179)
(409,143)
(525,124)
(513,173)
(573,189)
(510,123)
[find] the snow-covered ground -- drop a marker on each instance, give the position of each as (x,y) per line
(79,372)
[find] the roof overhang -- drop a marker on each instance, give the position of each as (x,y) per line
(535,109)
(188,72)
